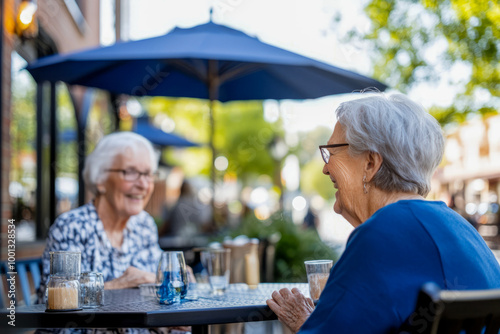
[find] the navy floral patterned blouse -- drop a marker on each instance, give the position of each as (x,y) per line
(81,230)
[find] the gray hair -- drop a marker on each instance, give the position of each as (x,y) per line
(106,151)
(408,138)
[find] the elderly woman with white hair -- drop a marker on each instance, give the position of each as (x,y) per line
(113,232)
(380,159)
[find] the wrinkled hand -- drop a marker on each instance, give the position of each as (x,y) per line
(131,278)
(191,277)
(291,307)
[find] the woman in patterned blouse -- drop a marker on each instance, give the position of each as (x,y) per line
(113,232)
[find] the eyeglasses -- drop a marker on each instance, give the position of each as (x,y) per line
(325,154)
(134,175)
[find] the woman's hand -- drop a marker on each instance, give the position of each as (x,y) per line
(291,307)
(191,277)
(131,278)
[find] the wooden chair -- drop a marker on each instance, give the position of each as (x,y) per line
(27,270)
(451,311)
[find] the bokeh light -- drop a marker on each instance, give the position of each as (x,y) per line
(299,203)
(221,163)
(259,196)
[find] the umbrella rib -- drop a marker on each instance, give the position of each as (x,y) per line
(226,66)
(199,65)
(188,69)
(226,72)
(238,71)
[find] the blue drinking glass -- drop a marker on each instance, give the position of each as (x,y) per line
(172,278)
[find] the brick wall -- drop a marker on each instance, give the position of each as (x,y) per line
(7,47)
(57,21)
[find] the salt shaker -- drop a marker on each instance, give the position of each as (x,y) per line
(252,265)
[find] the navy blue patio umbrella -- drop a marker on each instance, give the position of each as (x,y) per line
(208,61)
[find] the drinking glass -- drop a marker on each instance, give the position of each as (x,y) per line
(217,263)
(63,286)
(172,278)
(63,293)
(318,272)
(64,263)
(92,289)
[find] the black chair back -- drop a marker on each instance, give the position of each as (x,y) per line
(452,311)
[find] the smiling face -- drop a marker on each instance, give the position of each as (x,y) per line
(346,172)
(127,198)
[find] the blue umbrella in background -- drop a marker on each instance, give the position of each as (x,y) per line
(208,61)
(158,136)
(144,128)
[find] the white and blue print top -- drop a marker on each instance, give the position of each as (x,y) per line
(81,230)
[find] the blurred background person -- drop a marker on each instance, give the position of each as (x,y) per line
(188,217)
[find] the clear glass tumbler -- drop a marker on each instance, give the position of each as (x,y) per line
(64,263)
(318,272)
(92,289)
(217,262)
(172,278)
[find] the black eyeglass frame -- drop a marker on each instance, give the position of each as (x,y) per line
(325,151)
(149,176)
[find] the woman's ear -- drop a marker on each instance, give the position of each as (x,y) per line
(372,165)
(101,189)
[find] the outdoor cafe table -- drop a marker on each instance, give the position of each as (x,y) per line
(128,309)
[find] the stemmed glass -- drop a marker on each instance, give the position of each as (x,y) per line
(171,278)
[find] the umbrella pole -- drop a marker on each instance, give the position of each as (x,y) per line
(213,87)
(212,167)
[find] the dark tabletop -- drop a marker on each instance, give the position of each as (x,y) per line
(127,308)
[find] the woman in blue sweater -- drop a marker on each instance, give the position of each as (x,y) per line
(380,158)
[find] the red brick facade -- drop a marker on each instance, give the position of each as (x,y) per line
(59,24)
(7,47)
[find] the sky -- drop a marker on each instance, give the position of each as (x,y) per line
(300,26)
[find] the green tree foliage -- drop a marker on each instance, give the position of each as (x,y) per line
(408,34)
(22,127)
(241,134)
(190,117)
(313,181)
(244,137)
(67,160)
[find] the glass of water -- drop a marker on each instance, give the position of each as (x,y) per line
(318,272)
(91,289)
(217,263)
(171,278)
